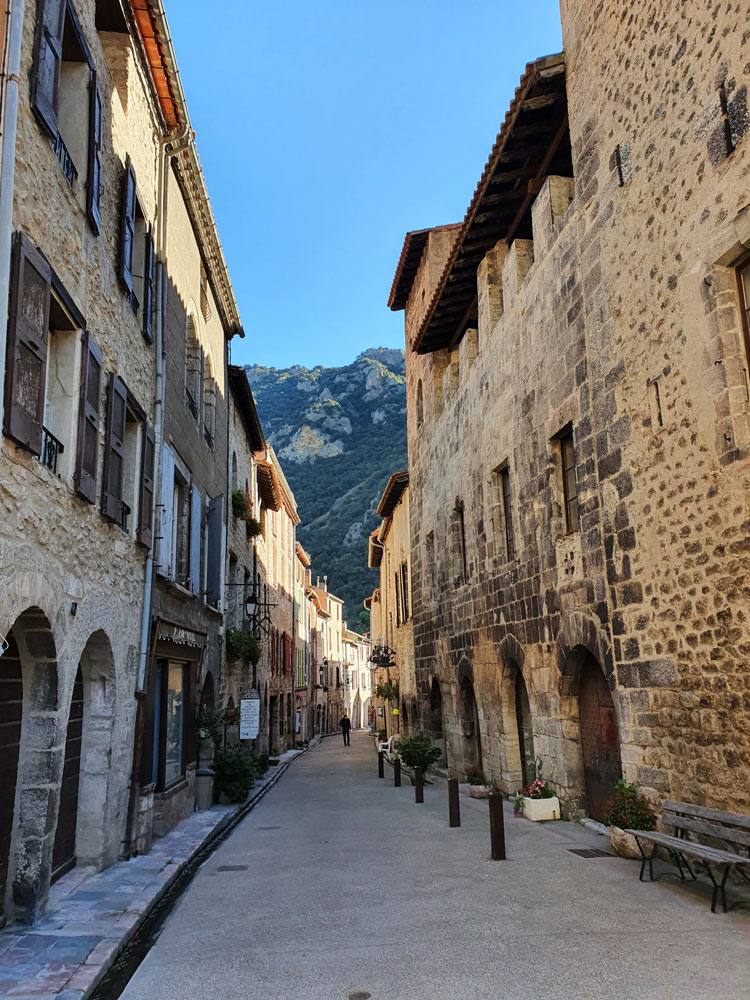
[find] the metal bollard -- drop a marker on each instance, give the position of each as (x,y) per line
(454,809)
(381,757)
(418,785)
(397,773)
(497,826)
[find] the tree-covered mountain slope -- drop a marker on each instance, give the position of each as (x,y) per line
(339,434)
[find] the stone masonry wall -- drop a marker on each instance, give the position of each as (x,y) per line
(629,285)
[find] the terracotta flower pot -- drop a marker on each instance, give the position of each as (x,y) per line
(624,844)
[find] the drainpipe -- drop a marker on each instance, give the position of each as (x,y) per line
(7,175)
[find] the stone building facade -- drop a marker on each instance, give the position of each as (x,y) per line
(390,552)
(578,421)
(357,679)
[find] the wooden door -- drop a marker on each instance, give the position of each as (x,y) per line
(64,850)
(11,713)
(600,741)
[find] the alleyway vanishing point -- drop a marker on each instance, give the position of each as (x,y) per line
(338,885)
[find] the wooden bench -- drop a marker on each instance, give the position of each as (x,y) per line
(685,819)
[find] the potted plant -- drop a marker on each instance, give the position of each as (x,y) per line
(210,733)
(253,527)
(627,810)
(240,507)
(242,645)
(418,751)
(537,802)
(234,770)
(478,785)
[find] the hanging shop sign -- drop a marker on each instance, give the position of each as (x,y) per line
(249,718)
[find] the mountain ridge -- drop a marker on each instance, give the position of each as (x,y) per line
(339,433)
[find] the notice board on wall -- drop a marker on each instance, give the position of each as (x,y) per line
(249,718)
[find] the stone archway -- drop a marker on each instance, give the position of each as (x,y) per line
(471,738)
(11,713)
(97,840)
(437,733)
(31,658)
(208,696)
(587,681)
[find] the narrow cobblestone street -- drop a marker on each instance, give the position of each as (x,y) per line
(339,885)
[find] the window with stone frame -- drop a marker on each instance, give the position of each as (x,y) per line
(569,482)
(458,532)
(743,288)
(502,513)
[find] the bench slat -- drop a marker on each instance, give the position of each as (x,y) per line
(714,815)
(709,829)
(689,847)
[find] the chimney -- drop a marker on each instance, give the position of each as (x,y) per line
(325,583)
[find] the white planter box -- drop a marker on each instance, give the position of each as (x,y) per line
(541,809)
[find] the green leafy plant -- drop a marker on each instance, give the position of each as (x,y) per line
(628,809)
(382,734)
(418,751)
(234,772)
(261,764)
(210,724)
(387,691)
(253,527)
(242,645)
(475,777)
(240,505)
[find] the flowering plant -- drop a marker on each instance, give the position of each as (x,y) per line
(474,776)
(629,810)
(538,789)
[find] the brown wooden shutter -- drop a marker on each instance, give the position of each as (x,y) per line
(26,357)
(45,79)
(127,232)
(148,286)
(146,501)
(88,419)
(114,449)
(94,184)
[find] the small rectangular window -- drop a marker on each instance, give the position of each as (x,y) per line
(570,488)
(510,545)
(459,543)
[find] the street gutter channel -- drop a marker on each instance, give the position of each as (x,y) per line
(119,974)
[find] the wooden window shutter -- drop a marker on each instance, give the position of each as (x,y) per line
(146,499)
(196,510)
(127,231)
(88,419)
(213,550)
(26,351)
(114,449)
(45,78)
(94,183)
(166,557)
(148,287)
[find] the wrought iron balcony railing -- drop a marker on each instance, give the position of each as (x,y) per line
(191,403)
(51,449)
(64,159)
(208,436)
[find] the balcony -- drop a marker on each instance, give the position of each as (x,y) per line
(51,449)
(208,437)
(191,404)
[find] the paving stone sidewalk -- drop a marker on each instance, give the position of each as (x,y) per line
(91,916)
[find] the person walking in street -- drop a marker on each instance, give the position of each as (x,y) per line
(346,725)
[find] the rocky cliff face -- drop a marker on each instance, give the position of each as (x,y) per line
(339,433)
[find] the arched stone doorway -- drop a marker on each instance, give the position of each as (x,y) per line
(64,849)
(600,740)
(11,715)
(97,835)
(436,719)
(471,738)
(29,699)
(524,730)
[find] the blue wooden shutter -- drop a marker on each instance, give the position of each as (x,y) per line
(195,540)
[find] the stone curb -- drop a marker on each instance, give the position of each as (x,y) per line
(207,846)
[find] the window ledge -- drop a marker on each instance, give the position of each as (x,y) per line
(214,610)
(177,786)
(179,589)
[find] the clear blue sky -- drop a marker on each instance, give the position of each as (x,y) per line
(329,128)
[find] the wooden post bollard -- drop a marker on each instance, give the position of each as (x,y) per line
(418,785)
(397,773)
(454,809)
(381,772)
(497,826)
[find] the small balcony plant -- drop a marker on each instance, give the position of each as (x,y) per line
(253,527)
(242,645)
(240,507)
